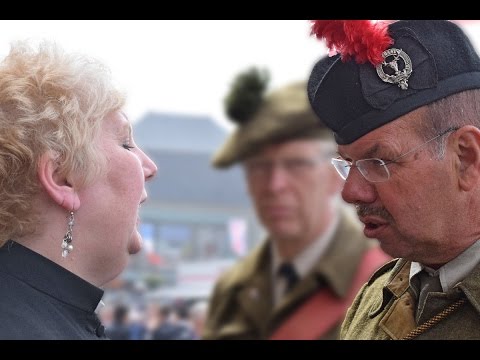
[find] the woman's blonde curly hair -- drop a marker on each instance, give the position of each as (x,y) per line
(50,101)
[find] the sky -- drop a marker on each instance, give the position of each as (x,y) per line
(180,66)
(184,66)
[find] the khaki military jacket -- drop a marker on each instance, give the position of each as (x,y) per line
(241,306)
(385,308)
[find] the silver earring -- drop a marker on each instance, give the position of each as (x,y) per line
(67,239)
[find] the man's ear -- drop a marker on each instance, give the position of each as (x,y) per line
(467,147)
(55,185)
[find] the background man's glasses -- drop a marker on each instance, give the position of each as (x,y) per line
(296,167)
(374,169)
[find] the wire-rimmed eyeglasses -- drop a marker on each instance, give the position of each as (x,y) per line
(374,169)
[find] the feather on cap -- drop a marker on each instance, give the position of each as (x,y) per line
(351,97)
(361,40)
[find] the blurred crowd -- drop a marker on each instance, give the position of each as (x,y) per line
(181,320)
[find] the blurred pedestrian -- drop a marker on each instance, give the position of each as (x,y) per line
(298,283)
(119,328)
(197,316)
(167,329)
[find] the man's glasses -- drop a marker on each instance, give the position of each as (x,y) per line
(374,169)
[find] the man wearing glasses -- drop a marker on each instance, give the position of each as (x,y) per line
(403,100)
(298,283)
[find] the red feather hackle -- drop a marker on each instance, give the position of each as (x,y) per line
(361,40)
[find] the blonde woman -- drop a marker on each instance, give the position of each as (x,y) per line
(71,183)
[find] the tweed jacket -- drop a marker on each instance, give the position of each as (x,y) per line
(385,308)
(241,306)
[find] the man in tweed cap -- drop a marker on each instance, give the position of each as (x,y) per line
(298,283)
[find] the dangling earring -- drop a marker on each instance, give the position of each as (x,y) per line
(67,239)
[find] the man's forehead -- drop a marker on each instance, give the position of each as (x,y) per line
(296,147)
(385,137)
(396,131)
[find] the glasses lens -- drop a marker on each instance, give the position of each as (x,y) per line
(342,167)
(373,170)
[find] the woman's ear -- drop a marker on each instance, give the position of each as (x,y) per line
(467,147)
(55,185)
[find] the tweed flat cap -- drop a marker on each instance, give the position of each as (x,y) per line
(420,62)
(284,114)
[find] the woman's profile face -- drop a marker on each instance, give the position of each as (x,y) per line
(108,217)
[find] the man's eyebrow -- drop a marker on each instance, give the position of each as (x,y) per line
(372,152)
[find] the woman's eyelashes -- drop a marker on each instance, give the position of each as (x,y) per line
(127,146)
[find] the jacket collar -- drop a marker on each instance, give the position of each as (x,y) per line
(471,287)
(398,283)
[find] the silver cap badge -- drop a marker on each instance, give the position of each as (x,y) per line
(400,70)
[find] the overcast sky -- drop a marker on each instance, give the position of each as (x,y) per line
(182,66)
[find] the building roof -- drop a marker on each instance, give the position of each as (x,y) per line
(188,178)
(180,132)
(182,147)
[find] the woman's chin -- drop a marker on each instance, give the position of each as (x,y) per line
(136,244)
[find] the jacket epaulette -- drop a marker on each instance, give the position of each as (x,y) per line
(382,270)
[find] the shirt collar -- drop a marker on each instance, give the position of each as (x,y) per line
(305,261)
(48,277)
(455,270)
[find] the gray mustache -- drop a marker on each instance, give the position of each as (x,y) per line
(365,210)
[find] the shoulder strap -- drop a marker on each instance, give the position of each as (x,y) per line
(323,310)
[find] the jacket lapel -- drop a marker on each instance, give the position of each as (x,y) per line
(256,300)
(255,287)
(339,264)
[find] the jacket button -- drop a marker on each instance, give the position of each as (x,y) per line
(100,331)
